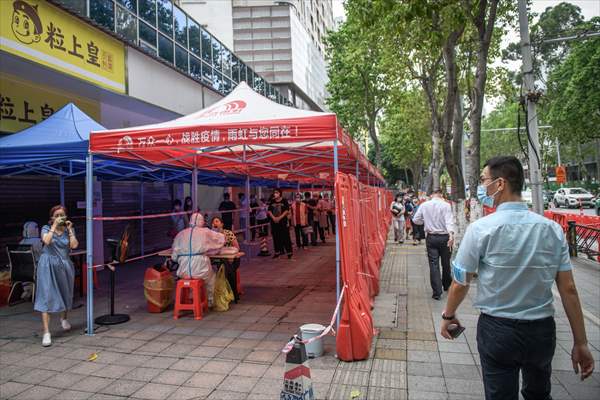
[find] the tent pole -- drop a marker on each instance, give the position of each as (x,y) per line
(247,211)
(337,233)
(61,189)
(89,240)
(142,220)
(195,189)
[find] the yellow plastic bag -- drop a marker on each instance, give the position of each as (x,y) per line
(223,295)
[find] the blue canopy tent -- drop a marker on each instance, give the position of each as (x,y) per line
(58,146)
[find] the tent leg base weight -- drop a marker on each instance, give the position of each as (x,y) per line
(113,319)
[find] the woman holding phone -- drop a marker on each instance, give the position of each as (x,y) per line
(55,271)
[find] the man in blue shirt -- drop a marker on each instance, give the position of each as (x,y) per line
(518,255)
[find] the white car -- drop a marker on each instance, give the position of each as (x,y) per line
(573,197)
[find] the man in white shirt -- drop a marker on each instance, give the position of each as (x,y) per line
(397,210)
(436,215)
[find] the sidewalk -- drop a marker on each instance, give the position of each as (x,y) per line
(236,354)
(413,361)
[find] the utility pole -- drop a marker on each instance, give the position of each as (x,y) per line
(535,175)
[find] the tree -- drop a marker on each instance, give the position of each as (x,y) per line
(356,85)
(405,137)
(574,94)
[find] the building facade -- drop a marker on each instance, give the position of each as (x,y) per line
(122,62)
(284,41)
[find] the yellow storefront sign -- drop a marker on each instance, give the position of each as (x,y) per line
(39,31)
(24,104)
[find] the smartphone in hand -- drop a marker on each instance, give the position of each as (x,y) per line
(455,330)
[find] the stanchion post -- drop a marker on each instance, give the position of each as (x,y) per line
(337,233)
(572,239)
(247,210)
(89,241)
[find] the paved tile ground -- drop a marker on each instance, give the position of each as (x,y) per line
(236,354)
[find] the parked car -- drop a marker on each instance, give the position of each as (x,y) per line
(573,197)
(527,197)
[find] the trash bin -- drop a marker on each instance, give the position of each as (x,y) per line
(308,331)
(158,288)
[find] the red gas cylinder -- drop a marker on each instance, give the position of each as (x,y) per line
(158,288)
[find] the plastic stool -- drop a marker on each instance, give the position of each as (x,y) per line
(199,300)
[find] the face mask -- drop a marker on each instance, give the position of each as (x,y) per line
(484,199)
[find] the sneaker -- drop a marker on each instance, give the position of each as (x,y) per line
(65,325)
(436,297)
(46,340)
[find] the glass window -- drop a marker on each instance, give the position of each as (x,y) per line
(235,69)
(103,12)
(147,48)
(259,84)
(126,25)
(207,73)
(164,9)
(194,33)
(180,21)
(147,34)
(165,48)
(79,6)
(147,9)
(206,47)
(181,58)
(227,87)
(226,61)
(217,81)
(250,77)
(195,67)
(216,61)
(131,5)
(242,68)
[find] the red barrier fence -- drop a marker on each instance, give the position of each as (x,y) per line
(364,221)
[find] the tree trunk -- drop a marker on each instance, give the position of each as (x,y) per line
(485,28)
(457,147)
(448,134)
(436,162)
(375,140)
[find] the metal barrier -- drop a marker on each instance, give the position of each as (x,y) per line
(584,239)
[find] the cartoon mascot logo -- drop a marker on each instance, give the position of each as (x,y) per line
(26,23)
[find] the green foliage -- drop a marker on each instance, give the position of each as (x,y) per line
(498,143)
(574,94)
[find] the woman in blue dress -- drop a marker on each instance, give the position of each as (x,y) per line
(55,271)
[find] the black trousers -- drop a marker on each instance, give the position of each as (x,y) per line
(301,237)
(263,230)
(437,248)
(507,346)
(331,218)
(282,242)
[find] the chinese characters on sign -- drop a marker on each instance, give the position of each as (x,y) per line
(40,32)
(24,104)
(211,137)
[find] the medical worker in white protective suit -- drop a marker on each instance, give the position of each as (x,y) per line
(190,247)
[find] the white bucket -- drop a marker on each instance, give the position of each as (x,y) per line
(308,331)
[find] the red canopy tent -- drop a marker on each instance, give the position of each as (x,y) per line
(244,133)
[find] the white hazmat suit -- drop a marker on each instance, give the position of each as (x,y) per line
(189,250)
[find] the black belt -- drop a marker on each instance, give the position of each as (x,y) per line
(518,321)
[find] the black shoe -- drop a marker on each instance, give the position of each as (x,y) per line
(290,256)
(446,288)
(276,255)
(436,296)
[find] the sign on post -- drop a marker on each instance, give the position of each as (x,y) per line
(561,174)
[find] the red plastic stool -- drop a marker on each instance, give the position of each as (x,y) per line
(198,301)
(240,289)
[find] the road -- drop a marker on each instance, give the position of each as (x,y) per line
(586,211)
